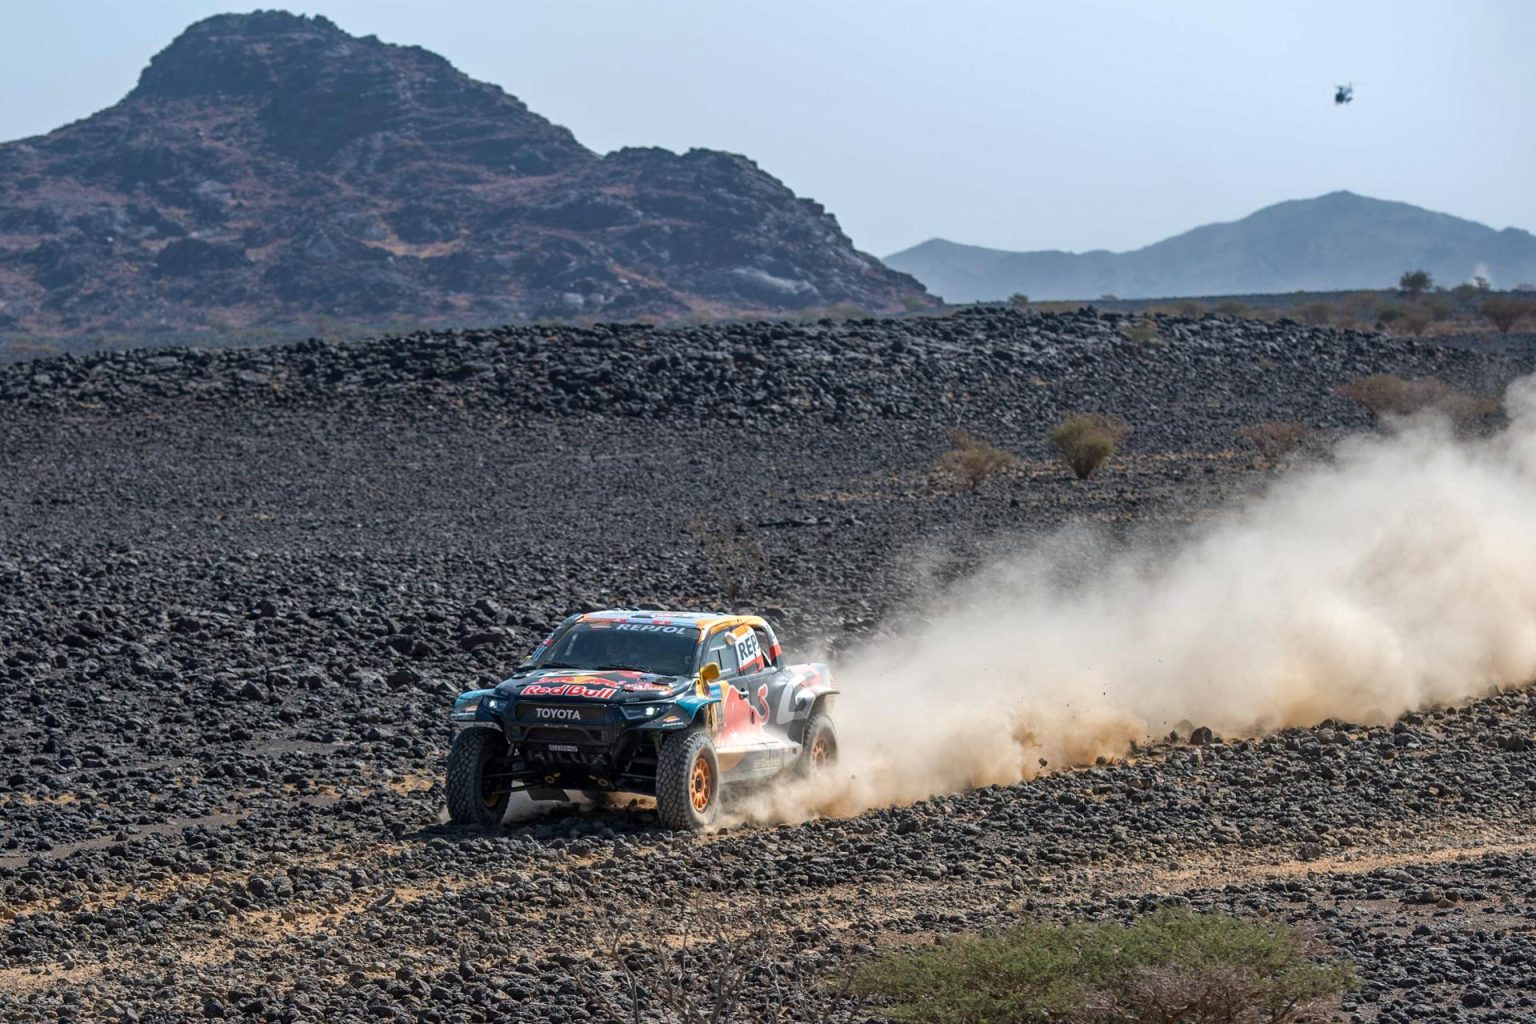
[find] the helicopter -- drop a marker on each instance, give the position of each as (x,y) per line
(1344,94)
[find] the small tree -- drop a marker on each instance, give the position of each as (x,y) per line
(1414,283)
(1086,440)
(1018,300)
(1504,311)
(971,459)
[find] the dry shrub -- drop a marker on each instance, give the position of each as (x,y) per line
(1386,394)
(1086,440)
(1415,321)
(1504,311)
(1273,440)
(972,459)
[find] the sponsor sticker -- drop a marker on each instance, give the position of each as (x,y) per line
(650,627)
(570,690)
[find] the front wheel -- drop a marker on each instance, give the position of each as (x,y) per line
(688,781)
(478,790)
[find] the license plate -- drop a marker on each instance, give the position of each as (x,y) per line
(563,748)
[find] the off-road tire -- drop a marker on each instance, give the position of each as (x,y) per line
(818,745)
(679,802)
(470,801)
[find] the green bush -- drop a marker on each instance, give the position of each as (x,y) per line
(1173,965)
(971,459)
(1018,300)
(1086,440)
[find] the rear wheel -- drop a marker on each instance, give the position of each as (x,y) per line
(688,781)
(478,790)
(818,745)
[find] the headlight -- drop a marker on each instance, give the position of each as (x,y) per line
(645,712)
(467,707)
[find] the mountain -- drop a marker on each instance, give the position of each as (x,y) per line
(270,168)
(1334,242)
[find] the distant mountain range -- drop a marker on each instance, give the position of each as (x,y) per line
(1334,242)
(271,169)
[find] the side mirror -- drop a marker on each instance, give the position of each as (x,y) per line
(707,675)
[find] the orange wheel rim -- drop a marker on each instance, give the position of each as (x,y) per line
(821,752)
(701,784)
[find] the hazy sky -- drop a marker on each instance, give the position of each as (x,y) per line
(1074,125)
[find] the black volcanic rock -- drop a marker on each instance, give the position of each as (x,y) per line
(270,168)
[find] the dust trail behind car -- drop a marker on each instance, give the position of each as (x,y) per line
(1398,573)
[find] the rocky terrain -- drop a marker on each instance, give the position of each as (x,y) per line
(238,590)
(270,169)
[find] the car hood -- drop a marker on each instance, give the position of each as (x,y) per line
(579,684)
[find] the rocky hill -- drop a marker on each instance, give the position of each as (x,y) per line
(272,169)
(1340,241)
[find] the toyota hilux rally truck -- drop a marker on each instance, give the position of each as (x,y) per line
(675,705)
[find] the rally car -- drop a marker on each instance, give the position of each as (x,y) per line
(675,705)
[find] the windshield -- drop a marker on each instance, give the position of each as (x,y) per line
(664,650)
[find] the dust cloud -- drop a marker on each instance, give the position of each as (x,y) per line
(1400,572)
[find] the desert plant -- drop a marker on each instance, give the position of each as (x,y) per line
(1273,440)
(1504,311)
(1018,300)
(1169,966)
(1386,394)
(1414,283)
(1086,440)
(972,459)
(733,551)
